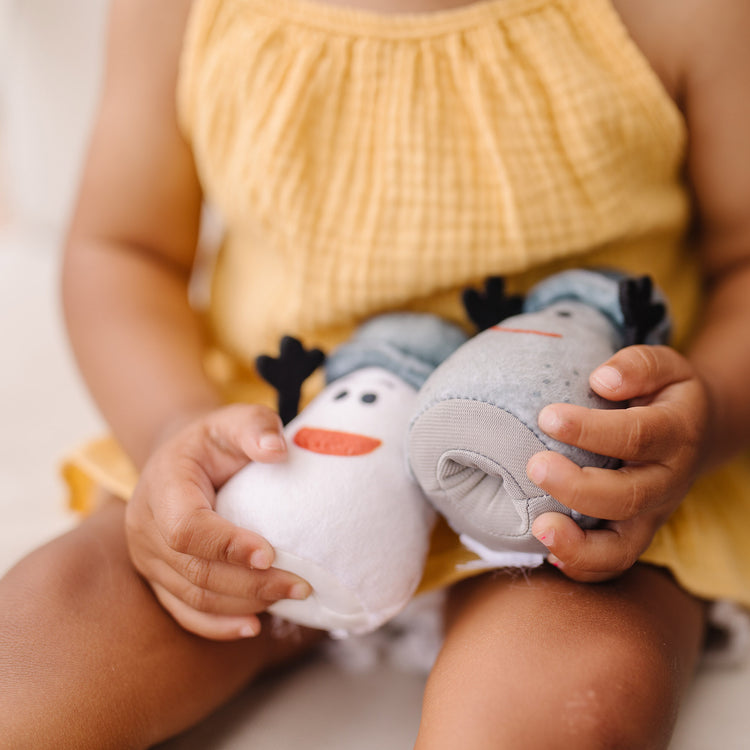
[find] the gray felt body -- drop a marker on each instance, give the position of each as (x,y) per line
(475,425)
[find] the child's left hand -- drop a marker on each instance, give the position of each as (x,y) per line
(660,439)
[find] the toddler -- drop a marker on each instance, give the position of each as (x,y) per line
(373,155)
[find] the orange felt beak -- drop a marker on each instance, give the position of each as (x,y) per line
(334,443)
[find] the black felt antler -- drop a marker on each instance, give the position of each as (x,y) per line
(641,314)
(488,307)
(287,372)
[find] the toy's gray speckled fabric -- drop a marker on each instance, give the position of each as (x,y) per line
(476,420)
(475,425)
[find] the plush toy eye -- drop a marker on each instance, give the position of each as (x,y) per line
(340,395)
(369,398)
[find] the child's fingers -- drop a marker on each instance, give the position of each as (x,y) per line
(639,433)
(223,442)
(591,555)
(204,624)
(616,495)
(253,429)
(179,484)
(232,581)
(639,371)
(202,533)
(218,588)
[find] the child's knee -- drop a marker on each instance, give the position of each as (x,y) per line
(625,701)
(622,696)
(543,682)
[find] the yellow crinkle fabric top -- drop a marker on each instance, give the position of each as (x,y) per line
(363,163)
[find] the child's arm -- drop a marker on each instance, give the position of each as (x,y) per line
(139,345)
(692,412)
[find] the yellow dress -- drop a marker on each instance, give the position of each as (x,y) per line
(363,163)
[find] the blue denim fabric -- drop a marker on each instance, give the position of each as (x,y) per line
(597,288)
(410,345)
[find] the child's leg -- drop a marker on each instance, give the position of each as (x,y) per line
(88,658)
(542,662)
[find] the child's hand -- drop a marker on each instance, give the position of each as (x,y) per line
(212,576)
(659,438)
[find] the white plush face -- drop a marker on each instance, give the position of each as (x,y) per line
(342,511)
(356,415)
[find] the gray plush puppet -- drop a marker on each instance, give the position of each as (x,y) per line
(475,424)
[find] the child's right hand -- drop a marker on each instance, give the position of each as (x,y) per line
(213,577)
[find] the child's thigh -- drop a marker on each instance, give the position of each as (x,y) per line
(90,659)
(537,661)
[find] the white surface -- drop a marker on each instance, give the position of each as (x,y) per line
(316,707)
(42,403)
(49,77)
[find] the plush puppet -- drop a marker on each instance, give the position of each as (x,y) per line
(343,511)
(475,424)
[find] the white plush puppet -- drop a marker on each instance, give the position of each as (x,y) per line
(475,425)
(343,511)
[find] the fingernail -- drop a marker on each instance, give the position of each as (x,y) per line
(537,470)
(299,591)
(552,560)
(248,631)
(548,420)
(607,377)
(260,560)
(546,537)
(272,441)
